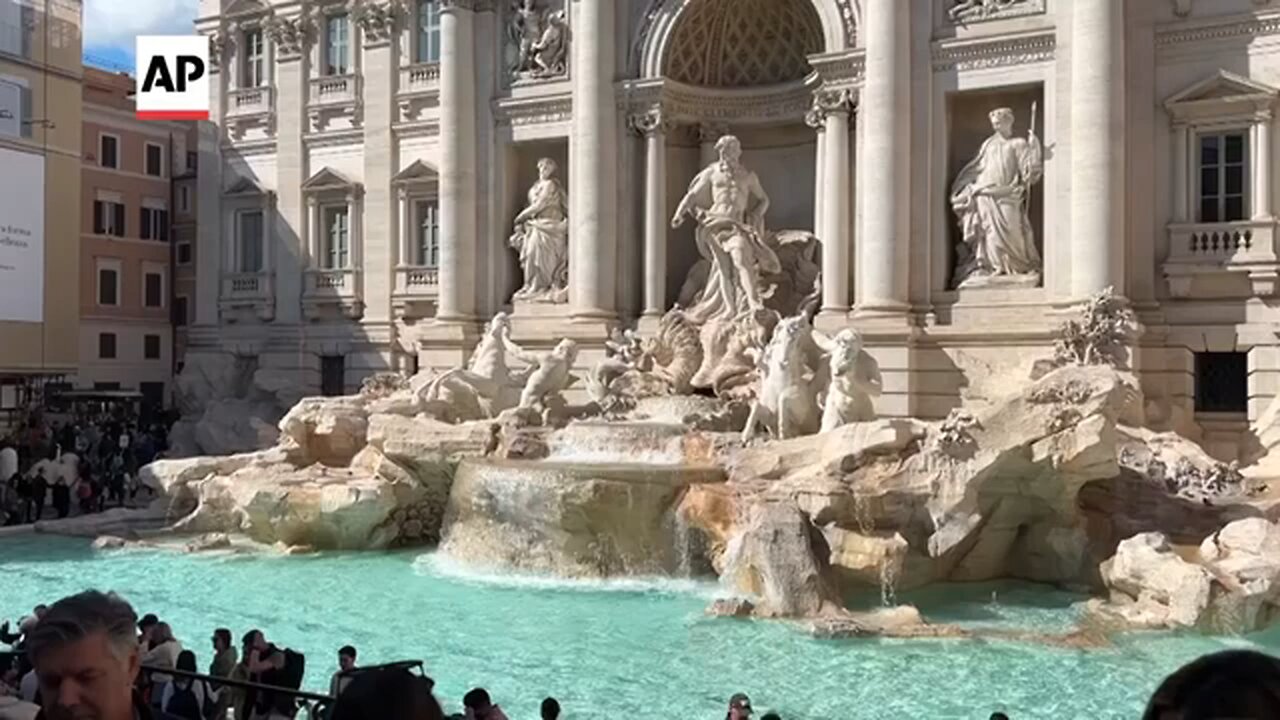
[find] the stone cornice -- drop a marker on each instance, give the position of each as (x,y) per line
(843,69)
(687,104)
(534,111)
(1249,26)
(471,5)
(1020,49)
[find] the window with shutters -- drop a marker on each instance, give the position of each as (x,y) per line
(108,151)
(155,224)
(108,218)
(184,253)
(17,21)
(428,214)
(150,347)
(184,199)
(154,160)
(106,346)
(180,311)
(109,282)
(153,290)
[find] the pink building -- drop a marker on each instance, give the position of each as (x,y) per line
(128,256)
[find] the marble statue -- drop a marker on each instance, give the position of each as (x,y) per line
(738,372)
(989,197)
(729,204)
(663,364)
(552,374)
(854,380)
(541,37)
(787,402)
(551,52)
(542,237)
(487,385)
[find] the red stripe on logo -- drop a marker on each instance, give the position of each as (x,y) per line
(173,115)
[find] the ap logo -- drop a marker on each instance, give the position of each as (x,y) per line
(173,77)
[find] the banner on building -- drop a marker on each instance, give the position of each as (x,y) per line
(22,236)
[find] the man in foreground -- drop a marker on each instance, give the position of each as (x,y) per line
(85,654)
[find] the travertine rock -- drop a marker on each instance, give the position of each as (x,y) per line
(326,430)
(1152,586)
(774,559)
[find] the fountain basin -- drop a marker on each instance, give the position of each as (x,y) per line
(574,519)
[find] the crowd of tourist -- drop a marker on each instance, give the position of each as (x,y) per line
(89,656)
(76,467)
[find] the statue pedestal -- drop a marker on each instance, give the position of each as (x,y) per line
(540,325)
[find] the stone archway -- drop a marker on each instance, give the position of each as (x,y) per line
(832,25)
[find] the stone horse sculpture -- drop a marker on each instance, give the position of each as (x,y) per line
(792,375)
(487,385)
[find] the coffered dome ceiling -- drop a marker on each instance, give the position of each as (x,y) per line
(740,43)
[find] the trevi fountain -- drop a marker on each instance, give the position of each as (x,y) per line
(745,484)
(716,505)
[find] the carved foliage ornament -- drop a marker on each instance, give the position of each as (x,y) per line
(377,20)
(827,101)
(219,44)
(290,36)
(652,121)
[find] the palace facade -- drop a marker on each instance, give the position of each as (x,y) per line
(369,159)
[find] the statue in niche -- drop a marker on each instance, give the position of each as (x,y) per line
(541,37)
(542,238)
(989,197)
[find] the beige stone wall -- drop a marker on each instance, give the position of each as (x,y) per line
(53,73)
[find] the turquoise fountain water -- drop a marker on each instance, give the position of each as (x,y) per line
(624,649)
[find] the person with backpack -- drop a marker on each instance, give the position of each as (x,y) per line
(187,698)
(269,665)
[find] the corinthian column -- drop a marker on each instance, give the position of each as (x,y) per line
(457,162)
(886,117)
(1097,157)
(833,107)
(654,127)
(593,185)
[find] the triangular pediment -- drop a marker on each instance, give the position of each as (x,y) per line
(1222,86)
(245,186)
(416,172)
(328,179)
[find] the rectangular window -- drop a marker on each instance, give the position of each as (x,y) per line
(337,248)
(184,253)
(1223,176)
(106,386)
(150,347)
(428,213)
(333,372)
(180,311)
(155,224)
(155,160)
(191,161)
(106,346)
(16,23)
(184,199)
(153,290)
(1222,382)
(338,49)
(252,75)
(108,286)
(15,107)
(108,218)
(249,237)
(108,151)
(427,47)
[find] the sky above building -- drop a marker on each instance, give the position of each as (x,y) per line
(111,25)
